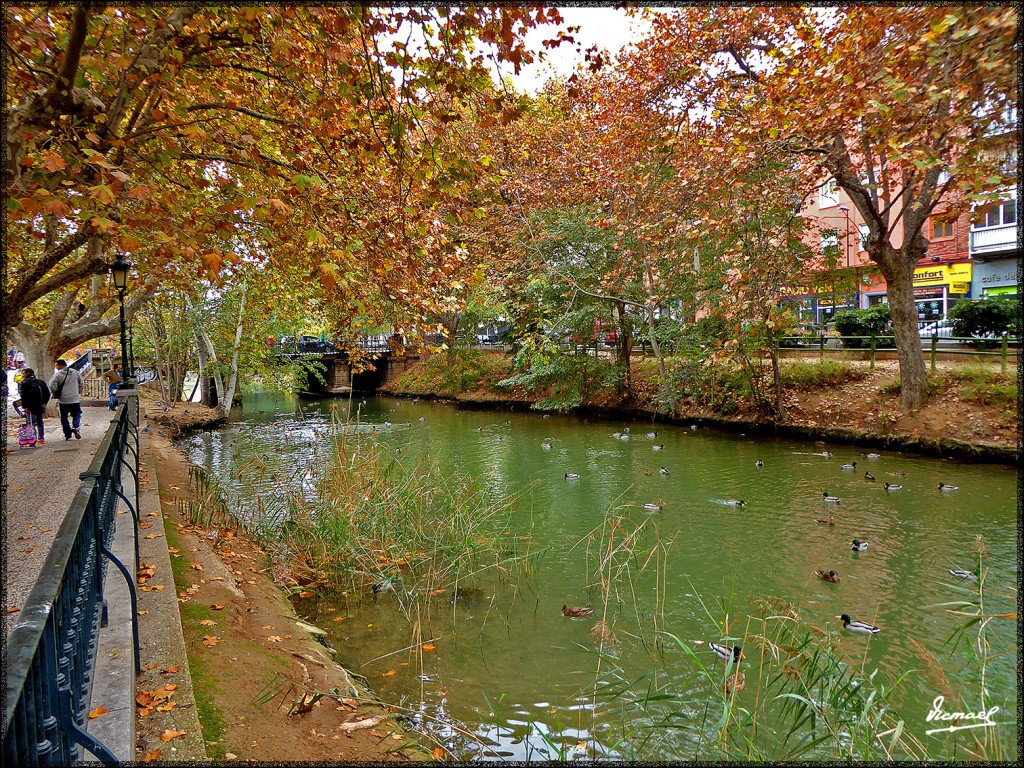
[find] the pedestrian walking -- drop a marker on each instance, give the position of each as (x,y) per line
(66,386)
(34,397)
(113,379)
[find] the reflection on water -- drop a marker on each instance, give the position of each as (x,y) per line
(499,672)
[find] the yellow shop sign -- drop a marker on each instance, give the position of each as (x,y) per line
(942,275)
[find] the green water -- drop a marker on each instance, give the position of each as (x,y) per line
(510,676)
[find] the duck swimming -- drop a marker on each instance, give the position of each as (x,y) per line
(652,435)
(571,476)
(830,576)
(725,653)
(872,456)
(735,502)
(891,487)
(820,521)
(759,464)
(735,683)
(869,476)
(858,627)
(657,447)
(576,613)
(960,573)
(859,546)
(944,487)
(663,471)
(653,507)
(829,499)
(852,465)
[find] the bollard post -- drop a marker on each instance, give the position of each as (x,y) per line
(935,345)
(872,351)
(1006,347)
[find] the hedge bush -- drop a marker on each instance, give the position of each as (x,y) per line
(873,321)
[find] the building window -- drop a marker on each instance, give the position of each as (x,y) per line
(864,230)
(828,194)
(941,230)
(830,243)
(999,215)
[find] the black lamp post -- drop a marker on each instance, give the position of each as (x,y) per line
(119,271)
(846,213)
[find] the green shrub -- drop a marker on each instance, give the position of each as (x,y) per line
(572,379)
(803,375)
(873,321)
(985,317)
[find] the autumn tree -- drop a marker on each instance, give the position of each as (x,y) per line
(159,130)
(904,107)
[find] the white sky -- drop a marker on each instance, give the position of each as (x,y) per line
(606,27)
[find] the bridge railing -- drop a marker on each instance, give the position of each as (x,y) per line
(50,658)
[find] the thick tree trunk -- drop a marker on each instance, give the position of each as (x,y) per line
(899,275)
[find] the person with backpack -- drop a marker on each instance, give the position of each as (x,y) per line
(66,386)
(34,397)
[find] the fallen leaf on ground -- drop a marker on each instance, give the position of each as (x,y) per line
(12,609)
(143,613)
(438,752)
(210,640)
(389,673)
(151,756)
(216,607)
(208,623)
(152,666)
(152,588)
(169,734)
(93,714)
(167,707)
(429,646)
(171,669)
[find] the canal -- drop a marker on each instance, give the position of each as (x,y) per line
(501,674)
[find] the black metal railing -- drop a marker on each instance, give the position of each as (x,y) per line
(82,364)
(50,658)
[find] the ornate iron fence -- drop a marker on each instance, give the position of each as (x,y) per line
(50,658)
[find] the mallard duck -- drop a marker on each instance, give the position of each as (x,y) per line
(891,487)
(960,573)
(725,653)
(623,436)
(868,476)
(872,456)
(824,454)
(653,507)
(850,466)
(858,627)
(735,502)
(571,476)
(859,546)
(576,613)
(652,435)
(829,499)
(663,471)
(944,487)
(821,521)
(647,473)
(830,576)
(657,447)
(422,419)
(546,445)
(759,464)
(735,683)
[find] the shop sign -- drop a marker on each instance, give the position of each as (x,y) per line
(959,287)
(943,275)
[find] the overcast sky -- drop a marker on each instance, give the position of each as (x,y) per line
(606,27)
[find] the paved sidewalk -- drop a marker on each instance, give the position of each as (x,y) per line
(38,486)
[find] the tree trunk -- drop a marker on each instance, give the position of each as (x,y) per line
(780,408)
(229,393)
(623,349)
(899,276)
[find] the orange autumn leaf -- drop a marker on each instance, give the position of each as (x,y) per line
(98,712)
(429,646)
(389,673)
(211,640)
(151,756)
(171,669)
(169,734)
(438,752)
(167,707)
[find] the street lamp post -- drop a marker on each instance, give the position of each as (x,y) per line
(119,271)
(846,213)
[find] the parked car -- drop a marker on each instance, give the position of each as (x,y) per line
(941,328)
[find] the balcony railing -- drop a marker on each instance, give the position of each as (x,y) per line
(992,239)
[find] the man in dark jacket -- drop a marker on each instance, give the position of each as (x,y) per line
(34,397)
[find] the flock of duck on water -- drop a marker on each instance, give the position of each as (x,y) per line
(733,655)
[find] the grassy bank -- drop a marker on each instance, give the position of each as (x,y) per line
(971,413)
